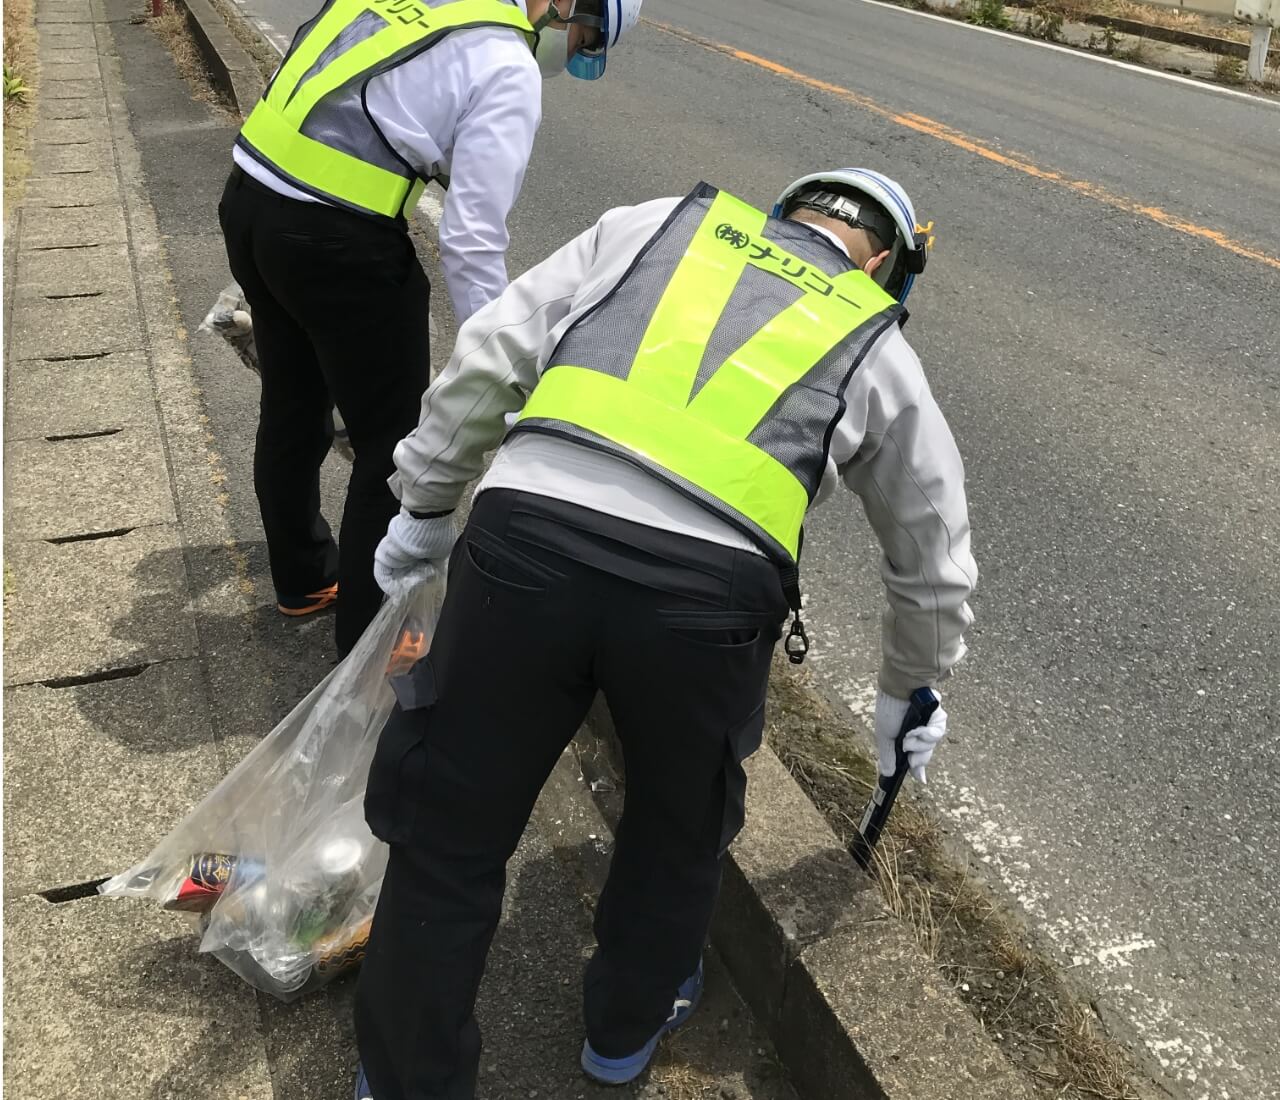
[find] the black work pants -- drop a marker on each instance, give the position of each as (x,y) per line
(340,307)
(548,604)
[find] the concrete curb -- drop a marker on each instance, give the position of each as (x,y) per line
(1207,42)
(233,71)
(855,1009)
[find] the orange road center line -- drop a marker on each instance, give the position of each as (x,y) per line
(923,125)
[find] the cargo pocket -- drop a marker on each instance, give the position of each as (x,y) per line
(397,775)
(740,742)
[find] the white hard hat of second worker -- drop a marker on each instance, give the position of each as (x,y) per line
(890,216)
(613,18)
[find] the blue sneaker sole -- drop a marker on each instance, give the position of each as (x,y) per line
(622,1071)
(362,1085)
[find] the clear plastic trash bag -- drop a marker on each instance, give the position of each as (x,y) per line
(232,319)
(277,863)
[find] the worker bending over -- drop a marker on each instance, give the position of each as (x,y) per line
(691,376)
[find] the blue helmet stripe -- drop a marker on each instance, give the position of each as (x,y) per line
(892,193)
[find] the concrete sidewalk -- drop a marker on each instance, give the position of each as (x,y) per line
(143,657)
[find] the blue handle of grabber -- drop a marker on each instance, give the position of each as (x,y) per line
(920,708)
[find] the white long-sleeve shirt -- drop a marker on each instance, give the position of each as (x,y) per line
(892,447)
(468,108)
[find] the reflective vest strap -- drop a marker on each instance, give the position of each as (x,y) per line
(676,339)
(399,33)
(362,56)
(339,173)
(415,193)
(750,481)
(740,394)
(299,62)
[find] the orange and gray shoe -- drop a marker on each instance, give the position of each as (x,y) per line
(296,606)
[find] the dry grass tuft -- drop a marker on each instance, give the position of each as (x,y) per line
(1088,1061)
(1012,955)
(172,29)
(676,1078)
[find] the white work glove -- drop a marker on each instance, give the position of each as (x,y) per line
(412,551)
(919,743)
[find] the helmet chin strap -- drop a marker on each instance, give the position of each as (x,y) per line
(553,15)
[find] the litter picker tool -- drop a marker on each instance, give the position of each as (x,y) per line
(922,704)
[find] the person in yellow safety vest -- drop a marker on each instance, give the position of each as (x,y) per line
(373,99)
(691,376)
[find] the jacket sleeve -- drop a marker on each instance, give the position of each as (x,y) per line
(492,146)
(493,369)
(910,478)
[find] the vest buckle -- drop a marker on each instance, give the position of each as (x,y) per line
(797,643)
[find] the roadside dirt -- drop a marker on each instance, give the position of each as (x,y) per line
(1018,994)
(21,75)
(1137,34)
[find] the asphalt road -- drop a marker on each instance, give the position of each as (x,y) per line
(1101,323)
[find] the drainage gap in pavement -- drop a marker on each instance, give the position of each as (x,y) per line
(82,435)
(59,682)
(92,536)
(62,894)
(75,358)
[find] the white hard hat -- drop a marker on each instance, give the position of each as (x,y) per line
(619,17)
(908,250)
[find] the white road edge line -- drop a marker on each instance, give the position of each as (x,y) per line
(1203,85)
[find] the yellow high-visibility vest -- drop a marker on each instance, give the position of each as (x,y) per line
(345,158)
(720,362)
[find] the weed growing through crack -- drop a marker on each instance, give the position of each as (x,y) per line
(1139,52)
(15,88)
(1228,70)
(988,13)
(1045,23)
(1107,41)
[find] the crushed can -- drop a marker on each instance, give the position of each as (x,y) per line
(207,877)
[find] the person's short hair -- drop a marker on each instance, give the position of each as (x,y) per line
(873,219)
